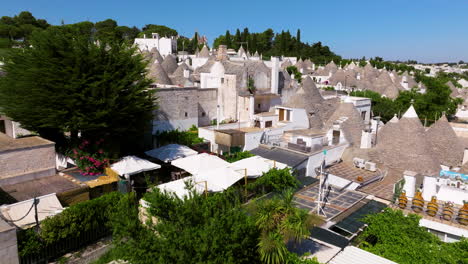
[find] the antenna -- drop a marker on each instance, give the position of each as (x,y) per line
(322,183)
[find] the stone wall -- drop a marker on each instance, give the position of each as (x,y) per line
(8,244)
(24,164)
(207,104)
(177,109)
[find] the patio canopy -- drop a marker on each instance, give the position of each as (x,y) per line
(216,180)
(22,214)
(171,152)
(200,163)
(257,165)
(130,165)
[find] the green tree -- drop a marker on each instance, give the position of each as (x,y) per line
(213,229)
(106,30)
(163,31)
(228,41)
(279,222)
(67,83)
(400,238)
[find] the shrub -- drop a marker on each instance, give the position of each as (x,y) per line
(187,138)
(238,156)
(80,217)
(274,180)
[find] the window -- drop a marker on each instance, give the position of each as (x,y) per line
(222,80)
(186,114)
(2,126)
(203,114)
(268,123)
(186,97)
(363,115)
(258,106)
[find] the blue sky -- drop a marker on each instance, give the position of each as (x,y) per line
(424,30)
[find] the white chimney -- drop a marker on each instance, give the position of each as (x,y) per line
(465,156)
(366,140)
(274,74)
(410,183)
(251,108)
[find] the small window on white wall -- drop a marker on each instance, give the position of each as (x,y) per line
(222,80)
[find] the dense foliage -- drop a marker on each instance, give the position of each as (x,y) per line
(292,70)
(68,83)
(238,156)
(213,229)
(17,30)
(73,221)
(270,44)
(279,221)
(399,238)
(430,106)
(187,138)
(274,180)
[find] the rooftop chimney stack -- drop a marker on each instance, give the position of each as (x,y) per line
(274,74)
(222,52)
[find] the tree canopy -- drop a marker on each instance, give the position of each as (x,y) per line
(399,238)
(430,105)
(270,44)
(68,83)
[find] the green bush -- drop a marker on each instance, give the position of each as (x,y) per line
(187,138)
(238,156)
(80,217)
(274,180)
(399,238)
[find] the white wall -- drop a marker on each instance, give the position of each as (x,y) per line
(197,62)
(334,154)
(252,140)
(165,46)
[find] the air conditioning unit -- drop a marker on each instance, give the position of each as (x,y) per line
(359,163)
(370,166)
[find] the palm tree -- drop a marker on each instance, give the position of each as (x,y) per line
(279,222)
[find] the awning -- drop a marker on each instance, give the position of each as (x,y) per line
(197,164)
(216,180)
(257,165)
(22,214)
(171,152)
(130,165)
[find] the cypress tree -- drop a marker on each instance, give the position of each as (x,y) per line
(67,83)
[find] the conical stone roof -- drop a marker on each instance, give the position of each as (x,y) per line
(309,98)
(404,146)
(158,74)
(454,89)
(204,53)
(445,144)
(350,120)
(169,64)
(286,64)
(156,56)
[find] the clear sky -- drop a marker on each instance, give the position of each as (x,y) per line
(424,30)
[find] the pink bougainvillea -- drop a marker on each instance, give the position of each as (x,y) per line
(90,158)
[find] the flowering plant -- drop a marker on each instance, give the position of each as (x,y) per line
(90,158)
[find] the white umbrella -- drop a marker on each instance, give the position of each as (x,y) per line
(130,165)
(171,152)
(196,164)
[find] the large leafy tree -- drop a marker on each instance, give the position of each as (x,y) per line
(67,82)
(397,237)
(213,229)
(280,222)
